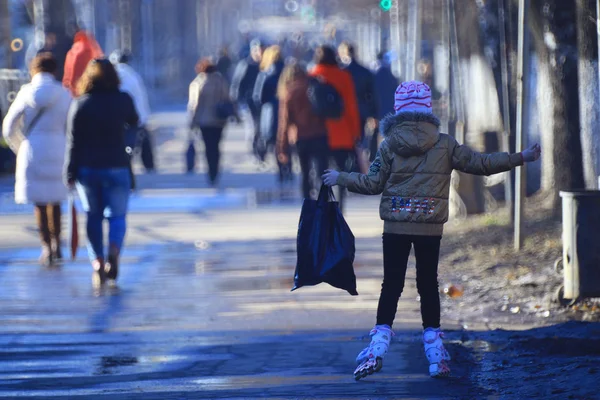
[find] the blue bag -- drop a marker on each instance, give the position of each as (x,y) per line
(325,245)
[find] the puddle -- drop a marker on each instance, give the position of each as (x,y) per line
(108,364)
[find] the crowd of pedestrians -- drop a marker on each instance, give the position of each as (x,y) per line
(280,92)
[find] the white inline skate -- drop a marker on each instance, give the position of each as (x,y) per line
(436,353)
(370,360)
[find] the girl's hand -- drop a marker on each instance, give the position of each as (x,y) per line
(532,153)
(330,177)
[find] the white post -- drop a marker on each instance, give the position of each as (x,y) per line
(523,72)
(414,39)
(397,39)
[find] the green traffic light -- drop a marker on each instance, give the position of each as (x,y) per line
(385,5)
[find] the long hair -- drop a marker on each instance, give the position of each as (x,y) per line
(290,74)
(271,55)
(99,74)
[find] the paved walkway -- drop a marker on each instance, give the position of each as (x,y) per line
(204,308)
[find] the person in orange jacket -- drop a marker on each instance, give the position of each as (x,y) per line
(85,48)
(343,133)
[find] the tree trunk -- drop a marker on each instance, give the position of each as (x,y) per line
(470,52)
(587,44)
(553,27)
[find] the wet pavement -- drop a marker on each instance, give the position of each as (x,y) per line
(204,308)
(213,321)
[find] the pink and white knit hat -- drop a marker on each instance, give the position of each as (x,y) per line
(413,96)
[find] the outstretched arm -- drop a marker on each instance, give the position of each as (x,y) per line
(466,160)
(371,183)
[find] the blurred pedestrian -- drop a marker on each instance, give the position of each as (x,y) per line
(59,45)
(425,71)
(133,84)
(385,88)
(84,49)
(344,133)
(412,170)
(224,63)
(364,85)
(208,99)
(311,137)
(98,163)
(265,97)
(242,89)
(42,107)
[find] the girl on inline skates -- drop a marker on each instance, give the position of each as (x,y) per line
(412,172)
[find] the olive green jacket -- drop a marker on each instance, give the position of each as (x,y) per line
(412,172)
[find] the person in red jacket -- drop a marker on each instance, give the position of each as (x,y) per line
(85,48)
(342,133)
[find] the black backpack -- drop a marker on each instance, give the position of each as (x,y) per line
(325,100)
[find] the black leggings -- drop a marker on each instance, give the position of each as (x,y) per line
(396,249)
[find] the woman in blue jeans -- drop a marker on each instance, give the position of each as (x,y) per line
(98,164)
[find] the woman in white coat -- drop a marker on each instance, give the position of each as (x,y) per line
(34,128)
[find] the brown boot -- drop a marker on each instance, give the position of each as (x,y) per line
(55,219)
(112,266)
(41,217)
(99,275)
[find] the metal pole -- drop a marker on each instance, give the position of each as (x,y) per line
(457,87)
(505,105)
(523,71)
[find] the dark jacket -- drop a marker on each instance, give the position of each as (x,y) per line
(385,88)
(224,65)
(265,97)
(364,84)
(243,82)
(295,109)
(96,131)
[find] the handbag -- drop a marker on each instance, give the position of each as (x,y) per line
(325,245)
(24,132)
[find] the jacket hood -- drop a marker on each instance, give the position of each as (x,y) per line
(410,133)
